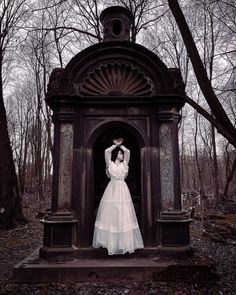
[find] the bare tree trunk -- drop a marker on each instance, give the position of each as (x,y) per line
(10,204)
(215,165)
(38,153)
(197,157)
(229,175)
(182,155)
(213,138)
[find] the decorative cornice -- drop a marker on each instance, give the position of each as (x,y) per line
(59,102)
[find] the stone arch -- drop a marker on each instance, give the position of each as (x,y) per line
(116,123)
(100,139)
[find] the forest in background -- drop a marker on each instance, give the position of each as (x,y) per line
(37,36)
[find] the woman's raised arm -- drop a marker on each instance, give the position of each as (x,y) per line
(108,154)
(126,154)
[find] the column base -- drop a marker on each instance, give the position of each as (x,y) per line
(174,234)
(181,252)
(58,235)
(52,252)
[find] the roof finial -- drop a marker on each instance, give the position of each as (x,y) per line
(116,21)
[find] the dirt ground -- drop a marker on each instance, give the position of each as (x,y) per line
(20,242)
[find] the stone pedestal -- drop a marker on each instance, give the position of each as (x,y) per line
(175,236)
(58,235)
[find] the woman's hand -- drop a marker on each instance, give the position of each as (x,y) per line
(118,141)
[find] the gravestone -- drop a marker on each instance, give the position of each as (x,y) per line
(116,88)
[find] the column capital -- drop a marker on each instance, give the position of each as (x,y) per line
(168,116)
(63,117)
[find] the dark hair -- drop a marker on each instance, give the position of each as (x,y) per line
(115,152)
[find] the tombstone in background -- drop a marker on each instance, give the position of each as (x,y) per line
(116,88)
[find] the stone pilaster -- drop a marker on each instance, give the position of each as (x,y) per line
(62,160)
(173,223)
(169,159)
(59,225)
(65,166)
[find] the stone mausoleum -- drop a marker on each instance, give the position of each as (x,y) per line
(112,89)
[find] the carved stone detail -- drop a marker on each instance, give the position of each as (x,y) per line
(115,79)
(65,167)
(166,167)
(177,81)
(55,82)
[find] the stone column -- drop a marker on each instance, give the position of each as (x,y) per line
(169,160)
(58,226)
(173,222)
(65,166)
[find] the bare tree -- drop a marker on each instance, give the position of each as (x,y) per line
(19,122)
(230,170)
(70,22)
(12,13)
(223,123)
(37,59)
(146,13)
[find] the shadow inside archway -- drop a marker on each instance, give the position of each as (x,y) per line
(103,141)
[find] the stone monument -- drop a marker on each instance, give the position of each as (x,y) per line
(116,88)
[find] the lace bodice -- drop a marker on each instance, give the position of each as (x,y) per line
(118,171)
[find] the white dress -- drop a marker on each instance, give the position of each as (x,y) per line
(116,227)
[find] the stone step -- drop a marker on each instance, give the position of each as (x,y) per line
(35,270)
(102,253)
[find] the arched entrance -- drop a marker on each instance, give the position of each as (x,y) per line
(104,140)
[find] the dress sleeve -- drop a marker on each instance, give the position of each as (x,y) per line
(108,154)
(126,154)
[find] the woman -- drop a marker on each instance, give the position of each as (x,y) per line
(116,227)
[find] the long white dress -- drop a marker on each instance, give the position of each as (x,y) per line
(116,227)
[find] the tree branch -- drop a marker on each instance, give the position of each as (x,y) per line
(210,118)
(67,28)
(218,111)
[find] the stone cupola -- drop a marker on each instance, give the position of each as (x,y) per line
(116,21)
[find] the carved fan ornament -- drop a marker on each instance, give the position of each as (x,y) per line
(116,79)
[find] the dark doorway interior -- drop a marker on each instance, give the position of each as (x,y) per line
(103,141)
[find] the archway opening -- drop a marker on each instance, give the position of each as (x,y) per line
(103,141)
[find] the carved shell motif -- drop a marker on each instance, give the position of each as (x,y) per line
(116,79)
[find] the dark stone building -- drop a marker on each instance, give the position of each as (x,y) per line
(115,88)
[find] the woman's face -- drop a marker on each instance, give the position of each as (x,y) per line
(120,156)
